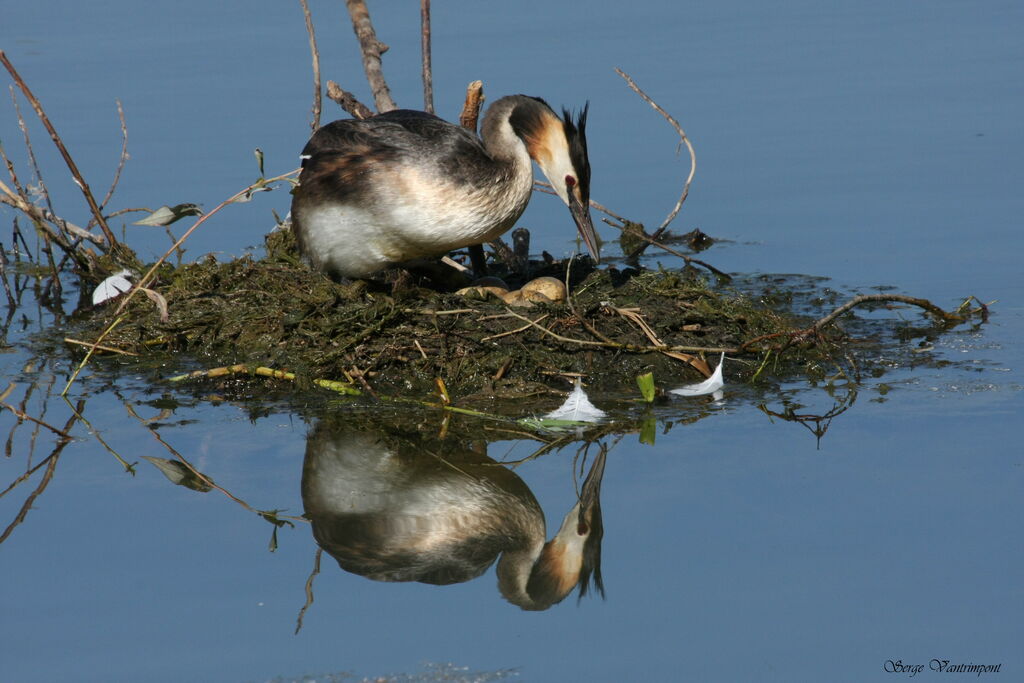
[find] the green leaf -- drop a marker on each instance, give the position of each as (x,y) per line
(166,215)
(646,384)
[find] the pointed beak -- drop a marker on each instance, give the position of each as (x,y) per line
(581,214)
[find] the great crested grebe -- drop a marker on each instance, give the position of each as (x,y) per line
(406,185)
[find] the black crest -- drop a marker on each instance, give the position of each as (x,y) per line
(576,134)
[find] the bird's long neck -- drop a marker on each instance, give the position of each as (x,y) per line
(540,574)
(503,141)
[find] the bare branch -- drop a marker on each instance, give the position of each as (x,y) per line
(122,160)
(348,101)
(428,78)
(372,49)
(682,137)
(471,107)
(317,97)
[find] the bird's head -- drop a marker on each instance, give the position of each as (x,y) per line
(559,146)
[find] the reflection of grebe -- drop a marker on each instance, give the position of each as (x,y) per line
(392,511)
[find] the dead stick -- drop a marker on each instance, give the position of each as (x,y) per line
(348,101)
(900,298)
(682,136)
(471,107)
(372,49)
(122,160)
(315,54)
(79,180)
(428,78)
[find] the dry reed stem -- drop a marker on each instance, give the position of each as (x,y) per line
(372,49)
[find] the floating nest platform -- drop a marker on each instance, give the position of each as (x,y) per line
(401,337)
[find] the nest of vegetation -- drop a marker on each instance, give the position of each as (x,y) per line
(396,337)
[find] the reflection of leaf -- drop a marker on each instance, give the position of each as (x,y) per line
(179,474)
(646,384)
(577,408)
(648,430)
(166,215)
(547,424)
(712,384)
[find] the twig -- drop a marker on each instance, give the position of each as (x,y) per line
(517,330)
(817,326)
(625,347)
(100,347)
(348,101)
(372,49)
(682,137)
(122,160)
(428,78)
(675,252)
(317,96)
(637,319)
(79,180)
(900,298)
(471,107)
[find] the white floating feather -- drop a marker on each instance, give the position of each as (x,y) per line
(712,384)
(577,408)
(113,286)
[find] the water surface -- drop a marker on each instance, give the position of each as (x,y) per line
(874,144)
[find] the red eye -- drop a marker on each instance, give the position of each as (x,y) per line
(569,181)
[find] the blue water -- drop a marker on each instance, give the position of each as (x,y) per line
(875,143)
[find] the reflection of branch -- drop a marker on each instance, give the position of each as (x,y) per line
(51,466)
(269,515)
(25,416)
(309,590)
(372,49)
(820,423)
